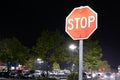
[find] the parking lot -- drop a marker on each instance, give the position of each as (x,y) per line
(33,74)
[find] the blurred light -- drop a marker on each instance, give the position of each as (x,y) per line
(111,76)
(40,60)
(72,47)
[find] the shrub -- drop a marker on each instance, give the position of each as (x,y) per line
(72,76)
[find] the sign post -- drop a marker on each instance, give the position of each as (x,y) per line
(80,59)
(80,24)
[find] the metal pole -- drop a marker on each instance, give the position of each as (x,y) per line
(80,59)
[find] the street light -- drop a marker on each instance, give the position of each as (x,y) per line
(38,63)
(80,51)
(40,60)
(73,67)
(72,47)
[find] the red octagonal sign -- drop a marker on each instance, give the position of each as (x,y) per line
(81,23)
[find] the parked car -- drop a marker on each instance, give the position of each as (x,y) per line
(28,75)
(24,72)
(109,76)
(37,73)
(15,73)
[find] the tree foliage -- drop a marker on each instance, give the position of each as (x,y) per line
(50,46)
(56,66)
(30,59)
(92,53)
(11,50)
(53,47)
(72,55)
(30,63)
(104,66)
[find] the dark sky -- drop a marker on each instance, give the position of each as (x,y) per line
(26,19)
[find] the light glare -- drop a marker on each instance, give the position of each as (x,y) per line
(72,47)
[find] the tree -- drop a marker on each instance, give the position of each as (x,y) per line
(56,66)
(49,46)
(104,66)
(11,50)
(73,54)
(53,47)
(30,63)
(30,59)
(92,53)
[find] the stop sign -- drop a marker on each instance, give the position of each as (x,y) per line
(81,23)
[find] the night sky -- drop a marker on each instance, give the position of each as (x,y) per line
(26,19)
